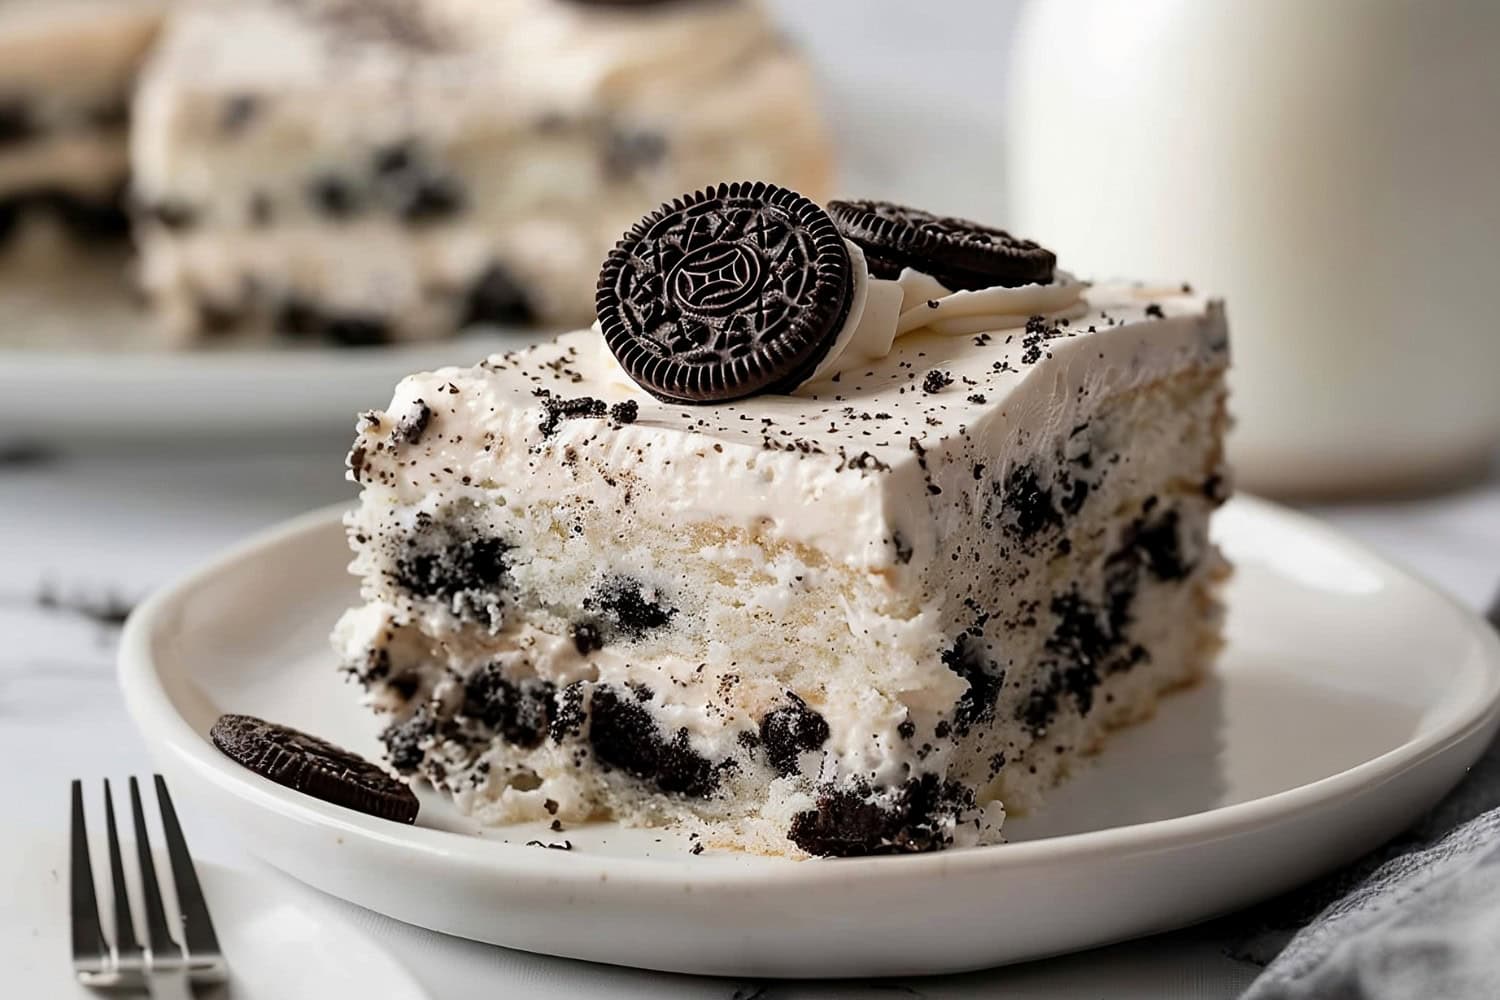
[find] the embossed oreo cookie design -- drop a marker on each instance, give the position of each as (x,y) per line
(736,290)
(715,280)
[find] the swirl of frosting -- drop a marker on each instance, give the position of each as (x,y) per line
(883,309)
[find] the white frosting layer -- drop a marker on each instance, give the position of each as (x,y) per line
(839,466)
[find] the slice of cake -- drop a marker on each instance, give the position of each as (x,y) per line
(66,69)
(360,171)
(841,532)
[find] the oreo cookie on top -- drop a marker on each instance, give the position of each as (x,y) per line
(736,290)
(963,255)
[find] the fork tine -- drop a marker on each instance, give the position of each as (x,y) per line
(198,936)
(126,943)
(158,934)
(90,951)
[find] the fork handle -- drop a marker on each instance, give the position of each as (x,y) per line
(169,985)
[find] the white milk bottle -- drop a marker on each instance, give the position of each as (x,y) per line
(1332,167)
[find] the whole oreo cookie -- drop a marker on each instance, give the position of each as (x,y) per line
(313,766)
(736,290)
(963,255)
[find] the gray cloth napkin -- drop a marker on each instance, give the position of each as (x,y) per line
(1418,919)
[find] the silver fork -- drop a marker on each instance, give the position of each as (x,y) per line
(163,967)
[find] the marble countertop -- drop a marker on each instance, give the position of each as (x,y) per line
(84,538)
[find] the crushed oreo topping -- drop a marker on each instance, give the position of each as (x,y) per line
(556,409)
(936,381)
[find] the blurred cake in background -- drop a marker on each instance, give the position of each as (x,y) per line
(66,72)
(366,171)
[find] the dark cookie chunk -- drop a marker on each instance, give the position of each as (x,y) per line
(520,711)
(297,318)
(17,124)
(394,159)
(406,742)
(431,199)
(959,253)
(350,330)
(410,428)
(300,319)
(313,766)
(936,381)
(736,290)
(854,820)
(628,609)
(788,731)
(452,566)
(171,214)
(1028,504)
(101,218)
(586,638)
(497,298)
(966,659)
(333,197)
(624,735)
(556,409)
(627,153)
(567,714)
(237,113)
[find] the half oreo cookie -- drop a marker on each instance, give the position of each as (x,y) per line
(313,766)
(963,255)
(737,290)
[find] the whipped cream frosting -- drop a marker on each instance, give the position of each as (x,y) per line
(884,309)
(838,466)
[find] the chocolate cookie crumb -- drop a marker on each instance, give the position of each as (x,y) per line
(936,381)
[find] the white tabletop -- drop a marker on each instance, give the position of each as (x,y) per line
(109,528)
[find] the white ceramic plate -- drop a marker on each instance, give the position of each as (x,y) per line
(1350,698)
(279,946)
(77,363)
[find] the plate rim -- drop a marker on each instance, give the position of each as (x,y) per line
(149,705)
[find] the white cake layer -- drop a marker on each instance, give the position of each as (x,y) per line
(68,61)
(520,134)
(920,586)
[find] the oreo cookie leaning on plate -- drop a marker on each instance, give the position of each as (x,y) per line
(963,255)
(313,766)
(736,290)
